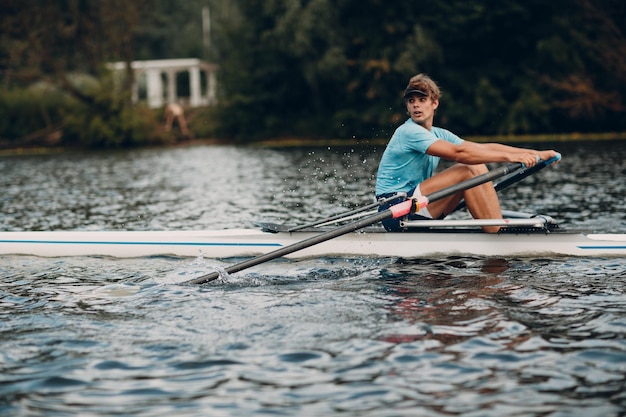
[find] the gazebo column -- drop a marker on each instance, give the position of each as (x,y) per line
(195,98)
(212,90)
(155,88)
(134,94)
(172,96)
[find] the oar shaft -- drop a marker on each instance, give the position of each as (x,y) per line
(508,181)
(398,210)
(329,219)
(286,250)
(473,182)
(342,216)
(514,177)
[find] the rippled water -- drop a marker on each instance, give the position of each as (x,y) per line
(316,337)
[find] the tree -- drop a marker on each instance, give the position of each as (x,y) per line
(322,68)
(66,44)
(591,51)
(506,67)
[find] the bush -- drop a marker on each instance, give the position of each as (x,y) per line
(24,112)
(110,123)
(104,120)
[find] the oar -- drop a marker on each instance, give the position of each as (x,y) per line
(346,215)
(517,176)
(395,211)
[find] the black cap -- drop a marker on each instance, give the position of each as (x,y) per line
(411,91)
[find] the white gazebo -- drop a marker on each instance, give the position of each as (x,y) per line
(163,72)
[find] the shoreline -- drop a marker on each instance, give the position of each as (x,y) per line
(295,142)
(556,137)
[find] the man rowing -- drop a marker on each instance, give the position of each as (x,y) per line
(415,149)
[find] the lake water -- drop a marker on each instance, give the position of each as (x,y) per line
(452,336)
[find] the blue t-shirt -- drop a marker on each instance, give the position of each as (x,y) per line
(405,163)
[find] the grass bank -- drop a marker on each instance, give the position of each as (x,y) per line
(295,142)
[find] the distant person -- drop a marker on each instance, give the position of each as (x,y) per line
(413,153)
(174,111)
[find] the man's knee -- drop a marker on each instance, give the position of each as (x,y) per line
(475,170)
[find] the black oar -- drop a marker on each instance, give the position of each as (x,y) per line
(518,176)
(346,214)
(395,211)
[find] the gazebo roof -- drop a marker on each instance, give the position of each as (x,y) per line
(164,64)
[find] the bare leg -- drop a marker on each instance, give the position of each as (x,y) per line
(183,124)
(169,120)
(482,201)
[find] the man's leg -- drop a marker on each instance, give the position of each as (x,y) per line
(183,124)
(482,201)
(169,120)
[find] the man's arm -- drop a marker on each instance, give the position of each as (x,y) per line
(472,153)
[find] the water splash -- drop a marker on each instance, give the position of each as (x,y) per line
(191,270)
(200,266)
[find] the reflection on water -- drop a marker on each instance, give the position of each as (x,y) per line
(443,293)
(452,336)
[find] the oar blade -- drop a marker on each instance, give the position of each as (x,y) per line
(314,240)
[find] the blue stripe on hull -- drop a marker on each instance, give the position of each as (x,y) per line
(69,242)
(609,247)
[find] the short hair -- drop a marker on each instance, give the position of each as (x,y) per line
(423,83)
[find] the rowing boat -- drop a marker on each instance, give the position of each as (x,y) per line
(522,238)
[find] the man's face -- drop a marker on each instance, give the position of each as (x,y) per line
(422,109)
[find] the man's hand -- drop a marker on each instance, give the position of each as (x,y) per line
(530,158)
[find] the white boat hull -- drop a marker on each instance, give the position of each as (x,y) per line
(251,242)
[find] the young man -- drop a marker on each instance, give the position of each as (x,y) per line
(411,157)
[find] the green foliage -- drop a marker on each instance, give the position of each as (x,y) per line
(323,68)
(170,29)
(110,121)
(23,112)
(308,72)
(28,117)
(337,68)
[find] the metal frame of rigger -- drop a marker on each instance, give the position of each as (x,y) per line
(513,222)
(540,222)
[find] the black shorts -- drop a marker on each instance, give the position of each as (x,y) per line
(393,225)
